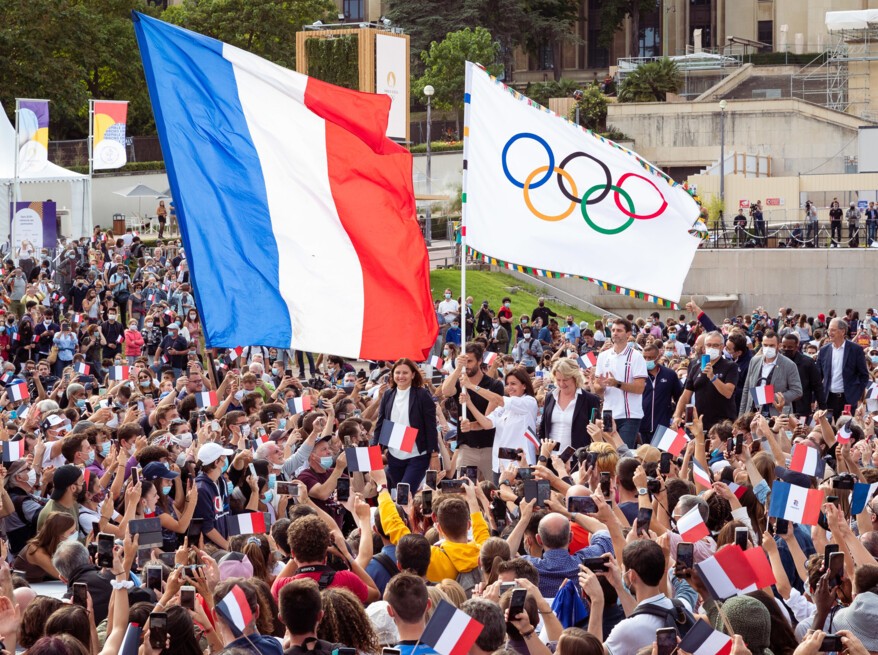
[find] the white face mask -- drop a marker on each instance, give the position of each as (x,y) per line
(713,353)
(32,478)
(245,430)
(770,353)
(73,536)
(184,439)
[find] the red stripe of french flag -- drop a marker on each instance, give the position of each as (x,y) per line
(691,526)
(399,436)
(206,399)
(672,441)
(18,391)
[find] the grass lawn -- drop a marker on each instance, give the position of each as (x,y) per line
(493,287)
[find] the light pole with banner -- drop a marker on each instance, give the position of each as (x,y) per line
(428,236)
(722,152)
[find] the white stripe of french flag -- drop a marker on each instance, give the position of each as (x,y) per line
(692,527)
(399,436)
(763,395)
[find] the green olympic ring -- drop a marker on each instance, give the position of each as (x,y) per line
(592,224)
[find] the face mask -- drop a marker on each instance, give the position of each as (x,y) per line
(111,317)
(770,353)
(524,321)
(542,303)
(326,462)
(669,353)
(506,304)
(874,359)
(32,478)
(495,323)
(274,371)
(454,325)
(650,365)
(268,496)
(167,489)
(239,395)
(184,439)
(105,448)
(80,403)
(191,317)
(446,352)
(73,536)
(509,367)
(569,322)
(282,424)
(148,324)
(91,458)
(272,480)
(225,466)
(245,430)
(447,296)
(526,335)
(713,353)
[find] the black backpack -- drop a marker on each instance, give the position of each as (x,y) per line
(677,617)
(386,563)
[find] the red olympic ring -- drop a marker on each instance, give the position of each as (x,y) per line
(644,217)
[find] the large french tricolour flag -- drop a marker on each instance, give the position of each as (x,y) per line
(291,200)
(794,503)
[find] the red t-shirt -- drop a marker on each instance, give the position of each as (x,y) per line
(343,579)
(579,538)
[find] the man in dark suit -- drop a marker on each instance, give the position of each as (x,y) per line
(809,375)
(842,364)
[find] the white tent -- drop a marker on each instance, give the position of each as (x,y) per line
(80,203)
(851,20)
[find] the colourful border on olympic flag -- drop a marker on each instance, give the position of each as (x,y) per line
(539,272)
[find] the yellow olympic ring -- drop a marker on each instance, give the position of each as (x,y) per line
(540,215)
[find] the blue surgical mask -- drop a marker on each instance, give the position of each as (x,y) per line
(326,462)
(282,424)
(105,448)
(167,489)
(272,480)
(226,466)
(268,496)
(80,403)
(91,458)
(274,371)
(874,359)
(650,365)
(672,336)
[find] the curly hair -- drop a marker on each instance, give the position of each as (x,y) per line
(33,621)
(346,622)
(309,539)
(719,512)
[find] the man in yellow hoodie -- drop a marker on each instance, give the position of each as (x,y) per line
(454,554)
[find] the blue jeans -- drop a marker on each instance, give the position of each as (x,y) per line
(411,471)
(627,429)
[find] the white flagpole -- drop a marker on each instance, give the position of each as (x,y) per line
(91,136)
(15,187)
(467,86)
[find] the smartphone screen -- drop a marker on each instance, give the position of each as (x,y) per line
(741,538)
(451,486)
(402,493)
(690,413)
(525,473)
(665,463)
(605,484)
(581,505)
(739,444)
(158,630)
(508,453)
(544,492)
(685,555)
(194,531)
(105,550)
(187,597)
(569,451)
(135,476)
(426,501)
(644,517)
(343,489)
(607,419)
(836,566)
(782,526)
(431,479)
(516,605)
(665,641)
(154,577)
(828,551)
(80,594)
(471,472)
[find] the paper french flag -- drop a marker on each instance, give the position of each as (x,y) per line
(364,459)
(235,609)
(206,399)
(844,433)
(16,336)
(303,173)
(399,436)
(872,392)
(692,527)
(701,475)
(7,378)
(18,391)
(118,372)
(488,358)
(861,496)
(451,631)
(120,338)
(671,441)
(82,368)
(761,567)
(807,460)
(702,639)
(13,450)
(795,503)
(763,395)
(302,404)
(727,574)
(437,362)
(249,523)
(587,361)
(77,318)
(131,640)
(738,489)
(530,436)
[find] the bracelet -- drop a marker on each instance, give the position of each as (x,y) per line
(548,611)
(127,584)
(527,635)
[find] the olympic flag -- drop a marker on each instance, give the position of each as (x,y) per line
(543,194)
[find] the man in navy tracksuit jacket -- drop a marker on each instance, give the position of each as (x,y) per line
(660,396)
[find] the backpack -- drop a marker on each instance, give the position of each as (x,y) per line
(466,579)
(677,617)
(19,537)
(387,563)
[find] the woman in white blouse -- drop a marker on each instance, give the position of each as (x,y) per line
(512,415)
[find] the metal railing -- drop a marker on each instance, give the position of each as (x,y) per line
(790,235)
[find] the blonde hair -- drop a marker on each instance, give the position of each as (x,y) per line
(607,457)
(568,368)
(647,454)
(453,591)
(436,596)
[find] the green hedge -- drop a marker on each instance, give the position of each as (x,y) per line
(130,167)
(438,146)
(334,60)
(778,58)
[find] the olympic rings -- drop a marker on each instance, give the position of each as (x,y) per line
(592,196)
(592,224)
(528,186)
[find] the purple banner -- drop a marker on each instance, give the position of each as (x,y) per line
(32,226)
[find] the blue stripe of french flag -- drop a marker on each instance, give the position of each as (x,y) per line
(399,436)
(364,459)
(316,209)
(795,503)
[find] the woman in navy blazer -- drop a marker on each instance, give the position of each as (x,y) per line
(409,403)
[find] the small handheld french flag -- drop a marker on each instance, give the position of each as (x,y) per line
(82,368)
(235,609)
(702,639)
(451,631)
(131,640)
(18,391)
(763,395)
(530,436)
(727,574)
(364,459)
(437,362)
(7,377)
(672,441)
(692,527)
(863,493)
(794,503)
(302,404)
(77,318)
(249,523)
(489,357)
(844,433)
(13,450)
(118,372)
(587,361)
(701,475)
(206,399)
(737,489)
(120,338)
(872,392)
(399,436)
(807,460)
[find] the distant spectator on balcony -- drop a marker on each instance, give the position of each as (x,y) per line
(835,215)
(853,217)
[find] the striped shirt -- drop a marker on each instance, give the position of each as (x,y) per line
(625,366)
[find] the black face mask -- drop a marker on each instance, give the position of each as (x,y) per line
(789,354)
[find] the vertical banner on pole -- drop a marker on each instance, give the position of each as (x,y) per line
(32,226)
(108,134)
(392,78)
(33,134)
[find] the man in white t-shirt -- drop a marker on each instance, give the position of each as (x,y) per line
(449,309)
(620,378)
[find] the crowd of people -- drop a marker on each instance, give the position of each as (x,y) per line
(161,496)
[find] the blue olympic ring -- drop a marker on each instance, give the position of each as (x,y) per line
(542,142)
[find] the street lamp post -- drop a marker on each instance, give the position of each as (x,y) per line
(428,237)
(722,153)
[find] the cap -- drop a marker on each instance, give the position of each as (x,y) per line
(156,470)
(174,326)
(65,477)
(822,317)
(385,628)
(235,565)
(858,618)
(210,452)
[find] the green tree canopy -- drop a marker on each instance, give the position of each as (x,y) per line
(651,82)
(613,12)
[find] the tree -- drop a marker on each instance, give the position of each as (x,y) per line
(445,65)
(651,82)
(550,23)
(592,109)
(613,12)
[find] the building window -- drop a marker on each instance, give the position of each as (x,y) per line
(597,55)
(765,34)
(545,57)
(649,43)
(353,10)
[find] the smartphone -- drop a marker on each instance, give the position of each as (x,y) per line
(730,446)
(685,555)
(665,641)
(80,594)
(508,453)
(506,586)
(343,490)
(833,500)
(516,605)
(158,630)
(426,501)
(431,479)
(690,413)
(105,550)
(742,539)
(471,472)
(739,443)
(836,566)
(153,577)
(569,451)
(187,597)
(135,476)
(828,551)
(581,505)
(605,484)
(644,517)
(829,415)
(781,526)
(286,488)
(402,493)
(498,511)
(451,486)
(537,489)
(607,419)
(525,473)
(705,360)
(390,651)
(831,644)
(168,559)
(194,530)
(595,564)
(665,463)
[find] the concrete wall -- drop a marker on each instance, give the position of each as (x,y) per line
(807,280)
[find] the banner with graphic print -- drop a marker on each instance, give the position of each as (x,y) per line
(547,196)
(110,117)
(33,135)
(392,79)
(32,227)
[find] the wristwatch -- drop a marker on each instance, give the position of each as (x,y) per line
(642,491)
(381,487)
